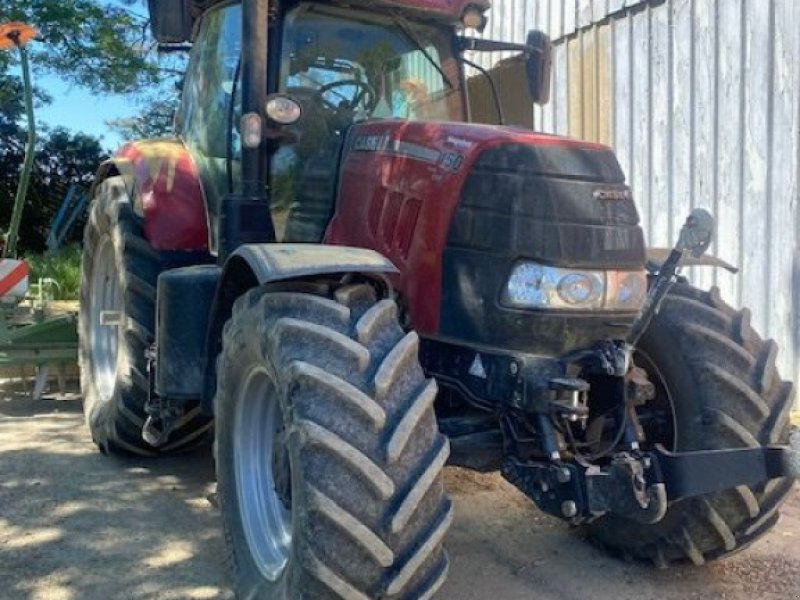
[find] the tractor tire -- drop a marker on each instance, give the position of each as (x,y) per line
(328,454)
(119,270)
(724,392)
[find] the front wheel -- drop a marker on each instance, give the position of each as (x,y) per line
(328,455)
(716,388)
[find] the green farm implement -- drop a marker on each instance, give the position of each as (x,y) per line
(30,333)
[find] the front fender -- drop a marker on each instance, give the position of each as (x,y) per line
(252,265)
(164,186)
(279,262)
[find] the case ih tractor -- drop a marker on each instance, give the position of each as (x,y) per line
(348,285)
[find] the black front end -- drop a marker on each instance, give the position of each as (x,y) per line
(551,394)
(559,206)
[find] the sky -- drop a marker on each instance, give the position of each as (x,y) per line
(79,110)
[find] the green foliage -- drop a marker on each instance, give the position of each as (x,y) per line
(12,107)
(63,266)
(154,120)
(62,158)
(100,45)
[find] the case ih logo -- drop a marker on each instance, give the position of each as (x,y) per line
(371,143)
(609,195)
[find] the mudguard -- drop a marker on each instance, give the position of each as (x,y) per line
(165,187)
(279,262)
(252,265)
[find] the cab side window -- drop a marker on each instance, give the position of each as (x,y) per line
(208,95)
(418,89)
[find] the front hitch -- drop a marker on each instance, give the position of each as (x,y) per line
(641,486)
(689,474)
(627,487)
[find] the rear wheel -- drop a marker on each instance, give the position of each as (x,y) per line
(716,387)
(116,325)
(328,454)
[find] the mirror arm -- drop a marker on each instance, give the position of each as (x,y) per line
(481,45)
(495,93)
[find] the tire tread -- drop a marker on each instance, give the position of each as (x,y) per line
(744,404)
(360,407)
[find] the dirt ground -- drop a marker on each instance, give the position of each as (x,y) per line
(76,525)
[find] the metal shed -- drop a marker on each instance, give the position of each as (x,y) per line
(701,99)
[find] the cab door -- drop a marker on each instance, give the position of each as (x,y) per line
(205,118)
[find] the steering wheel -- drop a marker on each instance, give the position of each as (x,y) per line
(364,93)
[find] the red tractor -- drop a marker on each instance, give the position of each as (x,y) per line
(348,285)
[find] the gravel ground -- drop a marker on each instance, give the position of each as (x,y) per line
(76,525)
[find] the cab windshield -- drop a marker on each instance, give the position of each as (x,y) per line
(379,66)
(345,66)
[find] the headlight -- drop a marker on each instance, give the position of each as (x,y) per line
(580,289)
(474,18)
(537,286)
(627,290)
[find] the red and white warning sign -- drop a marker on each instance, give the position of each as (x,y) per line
(13,278)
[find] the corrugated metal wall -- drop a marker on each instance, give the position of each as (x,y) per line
(701,99)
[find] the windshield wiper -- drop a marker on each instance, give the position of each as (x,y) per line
(407,30)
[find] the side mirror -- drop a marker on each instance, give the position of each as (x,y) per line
(539,66)
(171,20)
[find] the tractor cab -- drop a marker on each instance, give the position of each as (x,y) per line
(342,67)
(328,66)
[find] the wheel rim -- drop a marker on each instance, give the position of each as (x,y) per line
(267,522)
(106,306)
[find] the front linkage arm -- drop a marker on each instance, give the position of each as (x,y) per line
(632,483)
(694,240)
(696,473)
(641,486)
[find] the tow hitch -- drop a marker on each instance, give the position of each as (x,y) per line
(641,487)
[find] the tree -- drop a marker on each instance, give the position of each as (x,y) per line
(154,120)
(62,158)
(96,44)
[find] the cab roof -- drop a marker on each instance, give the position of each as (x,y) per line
(448,9)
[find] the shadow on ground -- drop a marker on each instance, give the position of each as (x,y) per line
(76,524)
(80,526)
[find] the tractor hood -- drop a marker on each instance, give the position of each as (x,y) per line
(455,206)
